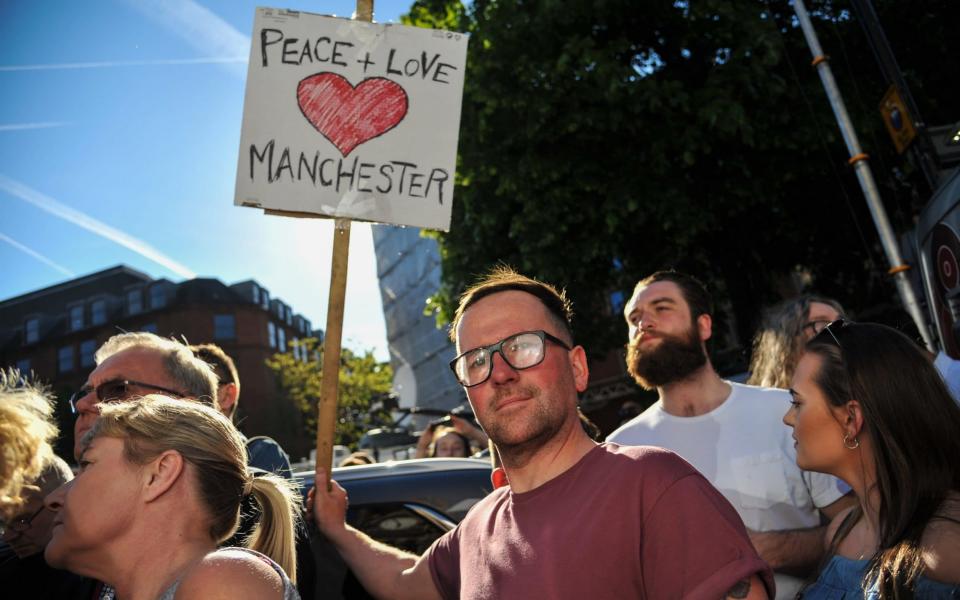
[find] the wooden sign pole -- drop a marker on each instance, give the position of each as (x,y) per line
(327,415)
(327,409)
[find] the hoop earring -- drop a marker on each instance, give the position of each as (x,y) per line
(846,442)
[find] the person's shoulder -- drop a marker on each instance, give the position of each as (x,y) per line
(754,394)
(637,425)
(231,573)
(651,460)
(940,542)
(835,524)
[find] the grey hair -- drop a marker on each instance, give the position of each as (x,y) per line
(194,377)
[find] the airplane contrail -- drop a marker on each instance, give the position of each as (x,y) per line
(26,126)
(199,27)
(71,215)
(36,255)
(126,63)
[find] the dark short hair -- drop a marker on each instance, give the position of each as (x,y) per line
(692,289)
(222,365)
(503,279)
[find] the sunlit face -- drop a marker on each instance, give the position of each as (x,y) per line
(95,509)
(658,310)
(818,317)
(816,428)
(521,407)
(134,364)
(450,445)
(31,540)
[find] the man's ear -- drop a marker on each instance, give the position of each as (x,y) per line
(578,362)
(227,397)
(705,327)
(162,473)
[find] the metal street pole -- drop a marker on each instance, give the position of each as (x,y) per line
(864,175)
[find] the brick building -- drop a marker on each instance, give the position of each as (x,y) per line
(55,332)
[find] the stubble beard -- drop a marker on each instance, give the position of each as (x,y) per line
(518,438)
(675,358)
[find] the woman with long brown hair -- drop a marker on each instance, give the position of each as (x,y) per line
(869,408)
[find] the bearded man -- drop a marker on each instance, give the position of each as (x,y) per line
(731,433)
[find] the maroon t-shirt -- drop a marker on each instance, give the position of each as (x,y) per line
(624,522)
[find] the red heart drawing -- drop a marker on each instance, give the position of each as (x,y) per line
(349,116)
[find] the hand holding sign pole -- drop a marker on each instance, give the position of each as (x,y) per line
(355,121)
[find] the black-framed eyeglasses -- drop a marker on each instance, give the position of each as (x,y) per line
(22,524)
(116,390)
(832,329)
(520,351)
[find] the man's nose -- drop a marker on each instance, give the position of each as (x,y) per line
(54,500)
(88,403)
(501,371)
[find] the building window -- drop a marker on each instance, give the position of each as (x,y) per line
(65,359)
(158,297)
(134,302)
(149,328)
(23,365)
(306,327)
(98,312)
(265,299)
(224,327)
(31,331)
(295,345)
(256,295)
(281,339)
(289,316)
(272,334)
(87,349)
(76,317)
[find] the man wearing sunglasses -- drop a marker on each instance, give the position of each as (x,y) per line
(731,433)
(578,519)
(137,364)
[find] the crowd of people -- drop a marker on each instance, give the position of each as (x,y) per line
(834,473)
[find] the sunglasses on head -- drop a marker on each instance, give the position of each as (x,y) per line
(831,329)
(116,390)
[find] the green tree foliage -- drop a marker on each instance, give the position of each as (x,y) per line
(363,382)
(604,139)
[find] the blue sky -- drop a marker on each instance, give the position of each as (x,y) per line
(119,133)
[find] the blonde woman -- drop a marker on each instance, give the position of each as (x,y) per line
(160,487)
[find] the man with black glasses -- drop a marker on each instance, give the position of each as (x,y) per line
(578,519)
(137,364)
(732,433)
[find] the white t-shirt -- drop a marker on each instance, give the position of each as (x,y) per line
(743,448)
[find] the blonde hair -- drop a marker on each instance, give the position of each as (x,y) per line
(779,344)
(26,431)
(208,440)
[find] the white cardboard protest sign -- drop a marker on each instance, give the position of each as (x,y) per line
(351,119)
